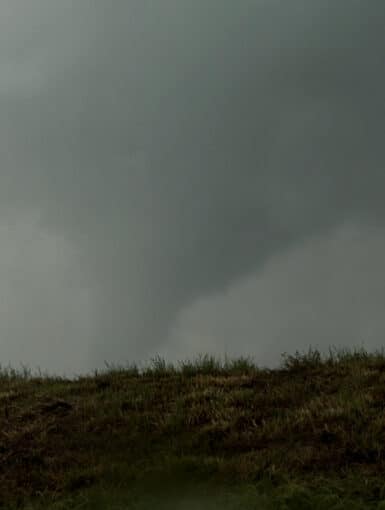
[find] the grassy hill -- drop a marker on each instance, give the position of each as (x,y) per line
(310,434)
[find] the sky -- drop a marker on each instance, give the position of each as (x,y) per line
(190,177)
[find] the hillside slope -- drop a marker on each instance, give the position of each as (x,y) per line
(318,423)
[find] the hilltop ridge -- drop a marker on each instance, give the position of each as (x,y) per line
(315,422)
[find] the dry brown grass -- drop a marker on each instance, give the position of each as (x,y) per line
(311,418)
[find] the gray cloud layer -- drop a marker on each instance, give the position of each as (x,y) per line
(326,292)
(179,145)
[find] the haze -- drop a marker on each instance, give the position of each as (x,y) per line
(185,177)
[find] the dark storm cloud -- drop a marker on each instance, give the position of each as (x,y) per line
(328,291)
(179,144)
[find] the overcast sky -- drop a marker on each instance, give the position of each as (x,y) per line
(190,176)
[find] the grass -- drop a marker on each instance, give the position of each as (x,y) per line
(307,435)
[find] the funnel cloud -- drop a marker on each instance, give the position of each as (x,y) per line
(177,166)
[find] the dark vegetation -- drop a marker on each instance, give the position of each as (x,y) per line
(315,424)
